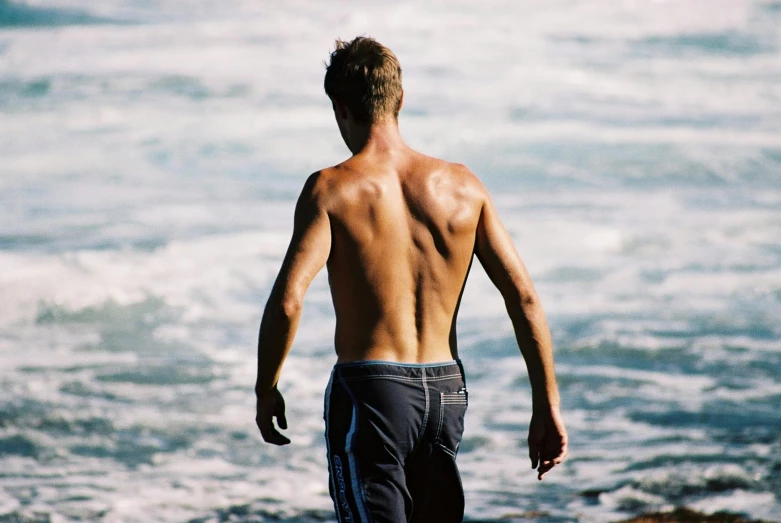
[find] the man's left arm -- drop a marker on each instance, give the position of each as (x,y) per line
(308,252)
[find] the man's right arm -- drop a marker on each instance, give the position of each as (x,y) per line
(308,252)
(495,250)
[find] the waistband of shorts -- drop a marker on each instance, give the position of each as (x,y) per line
(379,368)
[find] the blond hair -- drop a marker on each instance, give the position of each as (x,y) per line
(365,76)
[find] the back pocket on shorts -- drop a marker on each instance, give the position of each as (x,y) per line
(452,408)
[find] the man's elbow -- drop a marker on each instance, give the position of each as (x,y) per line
(291,306)
(520,300)
(529,300)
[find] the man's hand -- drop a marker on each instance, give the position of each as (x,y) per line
(271,405)
(547,440)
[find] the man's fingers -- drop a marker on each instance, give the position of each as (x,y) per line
(271,435)
(278,439)
(545,466)
(550,460)
(534,453)
(279,413)
(275,438)
(270,407)
(547,442)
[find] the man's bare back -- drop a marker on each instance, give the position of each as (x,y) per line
(402,239)
(398,231)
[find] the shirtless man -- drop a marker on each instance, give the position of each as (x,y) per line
(398,231)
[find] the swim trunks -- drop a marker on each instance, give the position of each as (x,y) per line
(392,434)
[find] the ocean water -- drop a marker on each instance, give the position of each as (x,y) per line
(150,156)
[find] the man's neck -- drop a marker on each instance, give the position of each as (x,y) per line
(381,136)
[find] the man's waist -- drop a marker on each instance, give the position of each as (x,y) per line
(368,369)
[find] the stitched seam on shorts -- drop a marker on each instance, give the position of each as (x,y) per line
(425,412)
(448,398)
(400,378)
(454,398)
(441,417)
(447,450)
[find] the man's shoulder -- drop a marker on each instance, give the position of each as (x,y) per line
(322,181)
(467,182)
(464,173)
(454,169)
(324,186)
(329,177)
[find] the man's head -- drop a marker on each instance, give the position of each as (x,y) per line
(365,77)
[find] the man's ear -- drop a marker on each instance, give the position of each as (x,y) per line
(401,101)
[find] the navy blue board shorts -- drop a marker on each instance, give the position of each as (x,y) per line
(392,431)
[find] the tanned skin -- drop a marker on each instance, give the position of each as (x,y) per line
(398,231)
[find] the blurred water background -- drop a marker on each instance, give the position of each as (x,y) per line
(150,155)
